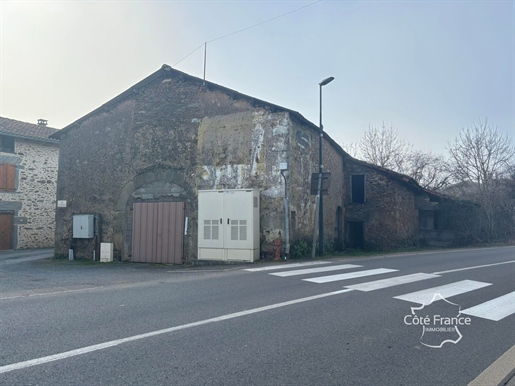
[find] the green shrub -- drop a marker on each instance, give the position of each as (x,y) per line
(300,249)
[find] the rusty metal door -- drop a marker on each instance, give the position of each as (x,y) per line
(6,231)
(158,232)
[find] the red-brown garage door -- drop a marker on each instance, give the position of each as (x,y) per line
(6,231)
(158,232)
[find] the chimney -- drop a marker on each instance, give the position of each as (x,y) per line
(42,122)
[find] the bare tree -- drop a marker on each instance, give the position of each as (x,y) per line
(382,146)
(481,154)
(482,159)
(351,148)
(429,170)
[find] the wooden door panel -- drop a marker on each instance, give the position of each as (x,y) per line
(158,232)
(6,231)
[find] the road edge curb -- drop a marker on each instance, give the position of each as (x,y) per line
(499,372)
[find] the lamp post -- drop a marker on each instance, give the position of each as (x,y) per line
(320,170)
(286,173)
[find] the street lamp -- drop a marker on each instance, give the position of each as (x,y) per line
(320,167)
(283,166)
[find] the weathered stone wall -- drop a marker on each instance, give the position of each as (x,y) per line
(389,214)
(450,221)
(34,201)
(163,143)
(303,162)
(244,150)
(333,163)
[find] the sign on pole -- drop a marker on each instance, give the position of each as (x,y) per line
(326,182)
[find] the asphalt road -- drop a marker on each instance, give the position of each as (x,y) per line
(73,323)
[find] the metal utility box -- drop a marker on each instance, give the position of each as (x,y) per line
(228,225)
(83,226)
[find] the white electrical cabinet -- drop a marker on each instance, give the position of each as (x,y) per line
(106,252)
(228,225)
(83,226)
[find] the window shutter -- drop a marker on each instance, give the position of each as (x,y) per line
(3,177)
(11,177)
(8,177)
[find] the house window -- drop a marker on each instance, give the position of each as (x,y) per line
(428,219)
(6,144)
(7,177)
(358,188)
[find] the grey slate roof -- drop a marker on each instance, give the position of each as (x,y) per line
(26,130)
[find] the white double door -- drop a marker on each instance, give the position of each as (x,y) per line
(226,223)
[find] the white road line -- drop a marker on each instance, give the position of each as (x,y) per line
(285,266)
(385,283)
(446,291)
(474,267)
(315,270)
(495,309)
(350,275)
(102,346)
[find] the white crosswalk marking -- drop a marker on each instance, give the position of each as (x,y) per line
(495,309)
(446,291)
(391,282)
(315,270)
(285,266)
(350,275)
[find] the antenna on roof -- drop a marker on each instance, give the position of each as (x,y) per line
(205,53)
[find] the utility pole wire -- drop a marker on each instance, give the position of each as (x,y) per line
(191,53)
(245,29)
(263,22)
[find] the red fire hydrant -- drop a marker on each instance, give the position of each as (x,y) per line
(277,249)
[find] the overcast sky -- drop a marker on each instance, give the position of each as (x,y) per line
(427,68)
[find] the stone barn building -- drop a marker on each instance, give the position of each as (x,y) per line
(28,180)
(135,165)
(171,135)
(386,210)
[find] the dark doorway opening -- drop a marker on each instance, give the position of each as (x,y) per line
(355,235)
(358,188)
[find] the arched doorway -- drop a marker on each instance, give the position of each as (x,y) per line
(152,211)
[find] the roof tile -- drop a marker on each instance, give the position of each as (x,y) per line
(26,130)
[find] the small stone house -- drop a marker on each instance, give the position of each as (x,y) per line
(158,143)
(28,181)
(385,210)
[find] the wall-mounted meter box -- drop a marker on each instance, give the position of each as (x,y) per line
(83,226)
